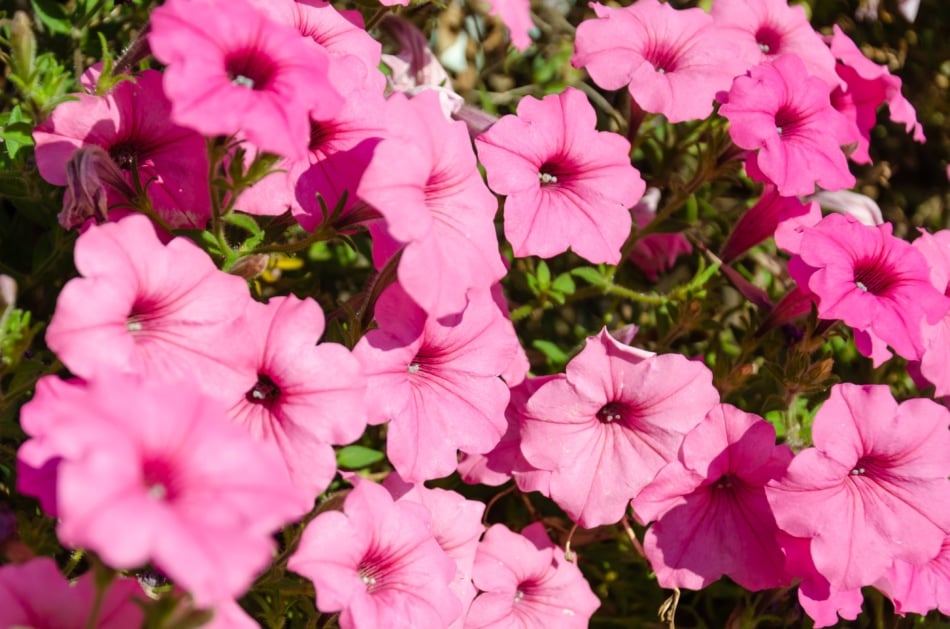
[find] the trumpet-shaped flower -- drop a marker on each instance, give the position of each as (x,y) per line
(607,428)
(527,582)
(132,123)
(673,62)
(231,70)
(873,488)
(567,184)
(377,561)
(712,518)
(785,115)
(154,471)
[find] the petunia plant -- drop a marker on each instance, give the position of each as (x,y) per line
(502,315)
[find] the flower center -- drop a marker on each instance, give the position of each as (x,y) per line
(124,154)
(370,574)
(414,368)
(519,595)
(264,391)
(871,277)
(158,480)
(725,482)
(768,40)
(610,413)
(250,68)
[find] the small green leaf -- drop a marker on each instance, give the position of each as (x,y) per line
(590,275)
(357,457)
(16,135)
(53,15)
(543,274)
(244,221)
(564,284)
(555,355)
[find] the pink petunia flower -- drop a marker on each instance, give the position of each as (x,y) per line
(766,29)
(763,219)
(786,116)
(300,396)
(867,86)
(822,602)
(154,471)
(527,582)
(655,253)
(231,70)
(377,561)
(567,184)
(919,589)
(935,337)
(516,14)
(424,180)
(607,428)
(132,123)
(161,310)
(712,518)
(36,595)
(425,375)
(873,488)
(673,62)
(869,279)
(457,527)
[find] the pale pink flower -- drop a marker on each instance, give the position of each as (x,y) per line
(786,116)
(712,518)
(456,525)
(607,428)
(132,123)
(436,381)
(822,602)
(861,207)
(919,589)
(36,595)
(301,396)
(765,29)
(231,70)
(873,488)
(161,310)
(424,180)
(673,62)
(655,253)
(567,184)
(378,561)
(867,86)
(516,14)
(869,279)
(526,582)
(154,471)
(935,337)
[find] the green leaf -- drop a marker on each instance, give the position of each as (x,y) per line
(590,275)
(16,135)
(357,457)
(564,284)
(544,275)
(244,221)
(53,15)
(555,355)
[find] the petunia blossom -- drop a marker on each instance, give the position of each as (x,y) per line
(655,253)
(935,337)
(673,61)
(712,518)
(566,184)
(869,279)
(132,123)
(36,595)
(161,310)
(424,180)
(922,588)
(607,428)
(231,70)
(822,602)
(765,29)
(872,489)
(154,471)
(436,382)
(377,560)
(516,14)
(301,396)
(526,582)
(786,116)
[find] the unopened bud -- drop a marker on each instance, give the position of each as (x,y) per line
(22,44)
(250,266)
(88,171)
(7,292)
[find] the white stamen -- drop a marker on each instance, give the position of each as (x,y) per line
(414,367)
(778,130)
(157,492)
(546,178)
(660,71)
(858,471)
(519,595)
(861,286)
(368,580)
(133,326)
(243,81)
(257,394)
(765,48)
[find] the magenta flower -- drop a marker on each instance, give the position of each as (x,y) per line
(300,396)
(377,561)
(36,595)
(526,582)
(869,279)
(160,310)
(786,116)
(231,70)
(712,518)
(607,428)
(867,86)
(673,62)
(763,219)
(822,602)
(132,123)
(766,29)
(567,184)
(655,253)
(426,374)
(873,489)
(154,471)
(424,180)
